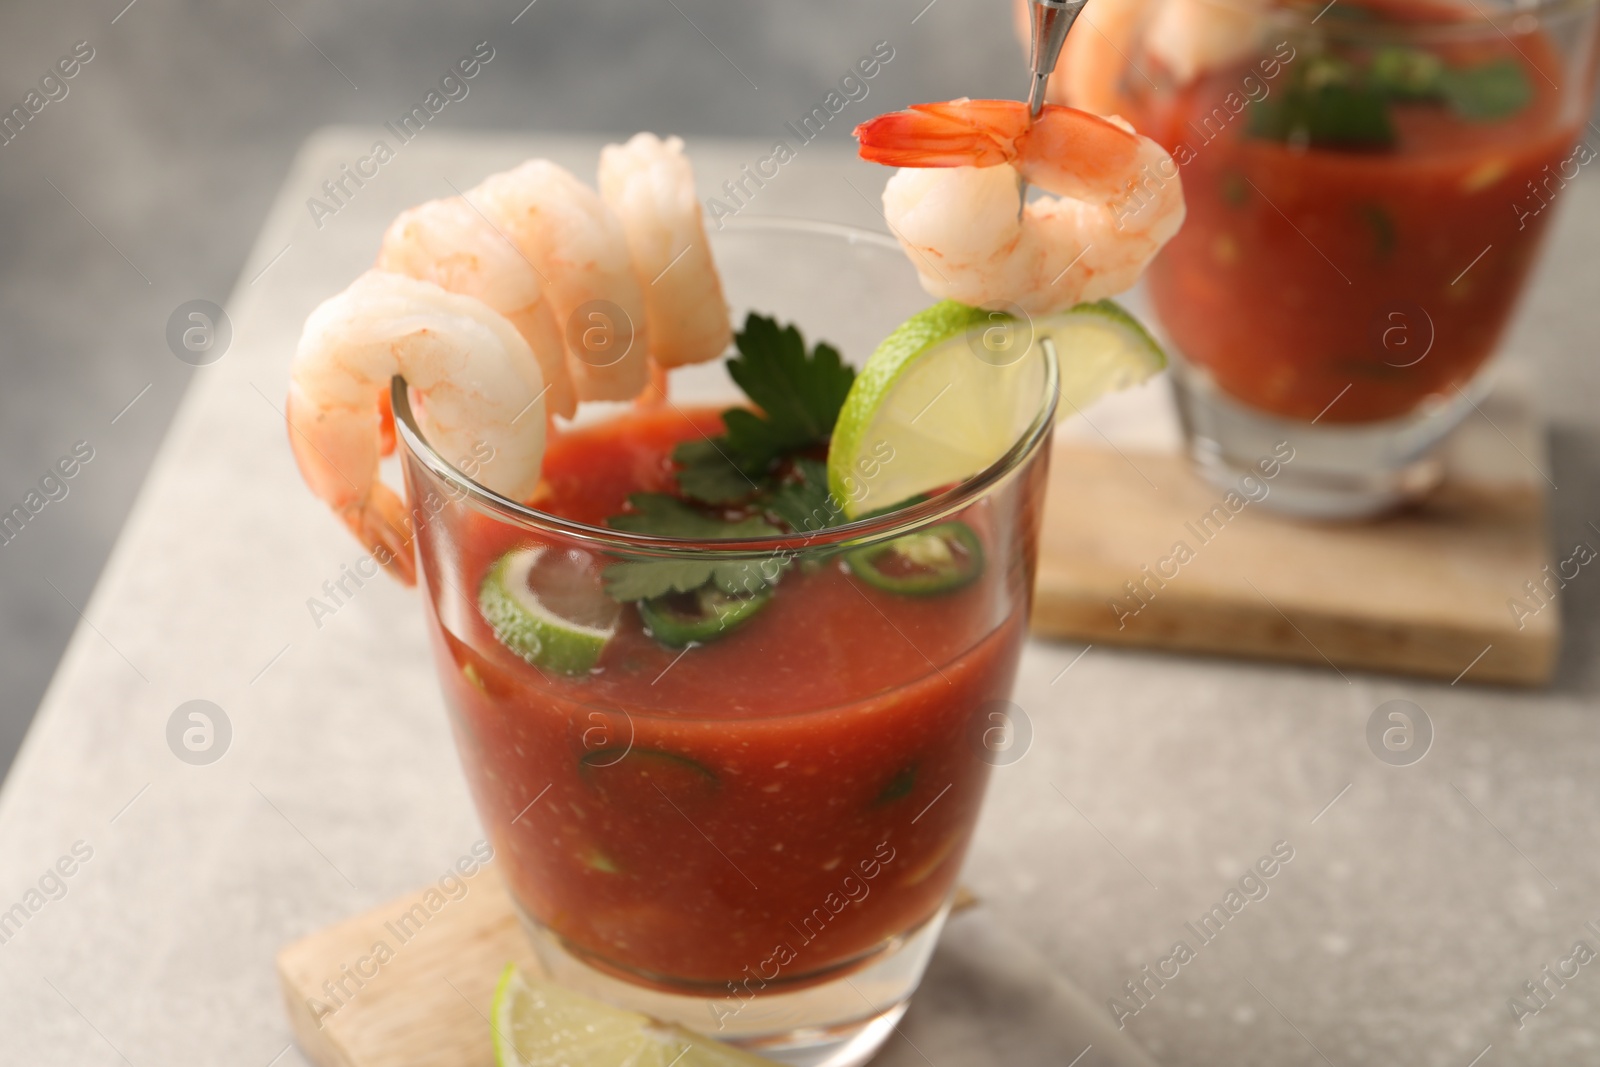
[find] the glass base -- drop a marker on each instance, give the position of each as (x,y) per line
(837,1022)
(1333,470)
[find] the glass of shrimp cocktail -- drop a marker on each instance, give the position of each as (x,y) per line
(728,743)
(728,657)
(1369,184)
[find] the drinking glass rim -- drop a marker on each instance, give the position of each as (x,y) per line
(883,527)
(1478,20)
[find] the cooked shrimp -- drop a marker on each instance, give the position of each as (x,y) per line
(1190,37)
(1118,200)
(452,244)
(577,247)
(1114,42)
(476,375)
(649,184)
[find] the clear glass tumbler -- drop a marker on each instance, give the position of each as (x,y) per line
(1368,183)
(757,837)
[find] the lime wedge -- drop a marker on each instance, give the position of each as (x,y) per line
(953,388)
(536,1024)
(549,607)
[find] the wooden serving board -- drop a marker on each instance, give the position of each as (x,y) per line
(422,998)
(1422,592)
(427,1005)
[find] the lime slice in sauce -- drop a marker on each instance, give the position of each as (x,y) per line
(548,606)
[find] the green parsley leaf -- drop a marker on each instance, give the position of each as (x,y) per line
(1486,93)
(665,515)
(758,441)
(709,476)
(642,579)
(806,506)
(800,395)
(1406,74)
(1331,115)
(645,579)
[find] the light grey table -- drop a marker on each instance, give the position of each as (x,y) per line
(1418,899)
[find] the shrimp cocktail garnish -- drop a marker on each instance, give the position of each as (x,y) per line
(480,301)
(473,301)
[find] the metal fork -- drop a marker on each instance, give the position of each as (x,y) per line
(1048,23)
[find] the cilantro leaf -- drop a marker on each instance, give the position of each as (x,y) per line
(643,579)
(1325,116)
(1332,103)
(667,516)
(758,441)
(1406,73)
(806,506)
(800,395)
(709,476)
(1486,93)
(664,515)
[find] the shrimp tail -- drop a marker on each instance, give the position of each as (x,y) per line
(1113,198)
(386,438)
(958,133)
(381,524)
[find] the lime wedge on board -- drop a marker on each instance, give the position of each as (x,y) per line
(537,1024)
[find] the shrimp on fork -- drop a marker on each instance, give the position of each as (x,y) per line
(480,383)
(955,209)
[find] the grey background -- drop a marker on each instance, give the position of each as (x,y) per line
(173,138)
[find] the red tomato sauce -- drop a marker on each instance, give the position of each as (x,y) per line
(1386,275)
(794,795)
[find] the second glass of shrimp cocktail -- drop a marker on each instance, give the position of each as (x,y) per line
(727,661)
(1369,182)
